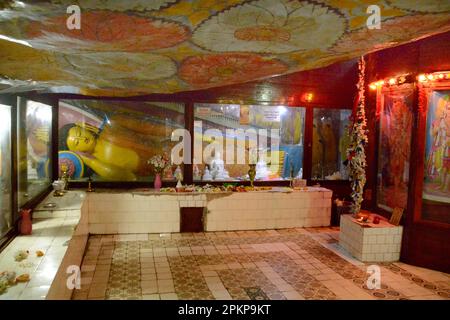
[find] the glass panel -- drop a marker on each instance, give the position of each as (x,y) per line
(396,121)
(330,143)
(113,140)
(5,170)
(436,192)
(270,136)
(34,148)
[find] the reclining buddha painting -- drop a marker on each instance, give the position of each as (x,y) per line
(113,141)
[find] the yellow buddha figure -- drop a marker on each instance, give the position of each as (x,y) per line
(114,151)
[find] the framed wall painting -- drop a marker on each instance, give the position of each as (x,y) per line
(395,110)
(436,157)
(426,232)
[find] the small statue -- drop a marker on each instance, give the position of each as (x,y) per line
(262,172)
(168,174)
(65,177)
(178,174)
(217,166)
(197,174)
(252,173)
(90,189)
(207,175)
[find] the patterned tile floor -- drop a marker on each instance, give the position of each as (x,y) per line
(248,265)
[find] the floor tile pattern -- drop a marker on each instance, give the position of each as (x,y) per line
(300,263)
(441,289)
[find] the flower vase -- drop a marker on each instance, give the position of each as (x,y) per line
(25,222)
(157,183)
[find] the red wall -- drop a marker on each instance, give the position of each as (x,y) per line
(426,55)
(424,243)
(332,86)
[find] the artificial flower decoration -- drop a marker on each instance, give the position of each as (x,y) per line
(159,162)
(356,155)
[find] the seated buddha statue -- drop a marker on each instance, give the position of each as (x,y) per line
(218,171)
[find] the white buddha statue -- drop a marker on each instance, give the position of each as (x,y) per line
(218,171)
(262,173)
(207,175)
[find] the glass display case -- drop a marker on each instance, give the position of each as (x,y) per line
(228,137)
(6,219)
(114,140)
(394,148)
(34,140)
(330,140)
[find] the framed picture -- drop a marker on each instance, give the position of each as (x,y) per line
(396,216)
(395,106)
(436,180)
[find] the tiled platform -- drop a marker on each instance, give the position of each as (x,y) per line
(61,234)
(271,264)
(51,236)
(146,211)
(371,242)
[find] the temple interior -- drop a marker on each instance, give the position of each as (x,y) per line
(225,150)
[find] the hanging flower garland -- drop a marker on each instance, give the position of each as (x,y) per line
(356,155)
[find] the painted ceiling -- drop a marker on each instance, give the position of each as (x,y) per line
(165,46)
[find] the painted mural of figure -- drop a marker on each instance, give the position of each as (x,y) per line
(399,146)
(442,143)
(118,150)
(298,126)
(330,146)
(317,152)
(439,160)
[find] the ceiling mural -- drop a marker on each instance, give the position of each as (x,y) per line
(138,47)
(268,26)
(107,31)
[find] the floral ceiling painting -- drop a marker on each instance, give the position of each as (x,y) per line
(166,46)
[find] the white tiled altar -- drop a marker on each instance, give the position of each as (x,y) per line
(371,242)
(150,212)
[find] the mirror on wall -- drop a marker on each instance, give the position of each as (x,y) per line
(34,126)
